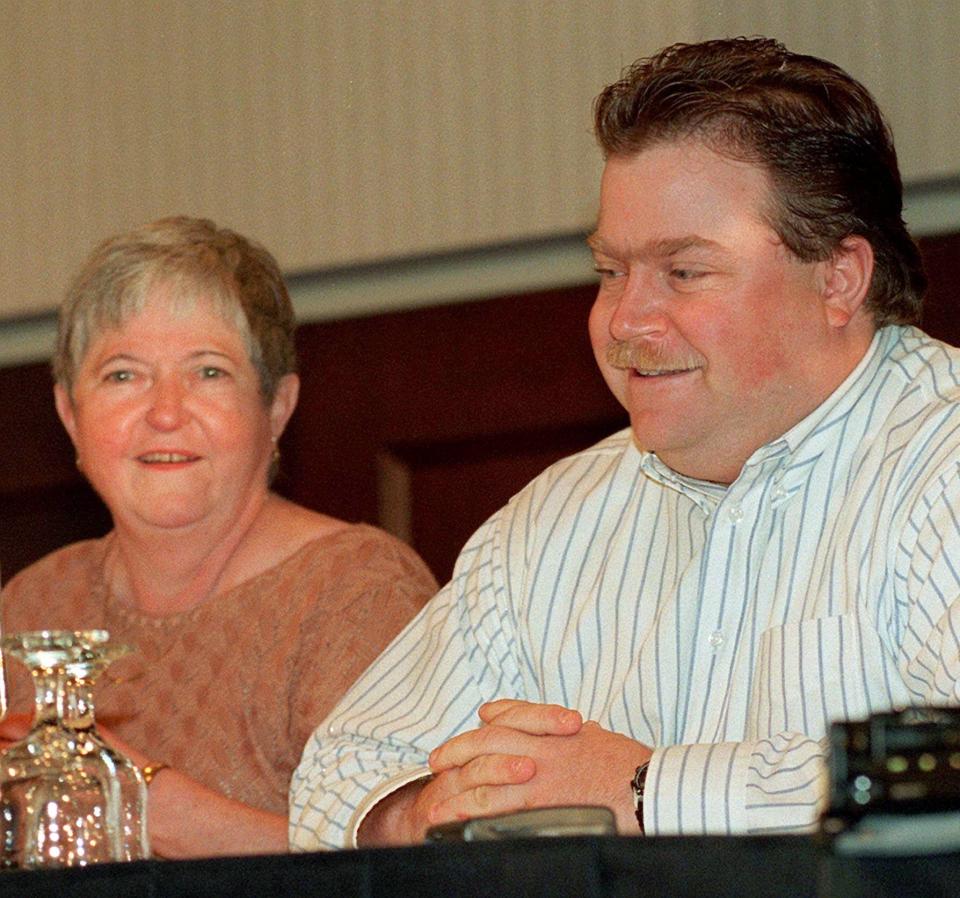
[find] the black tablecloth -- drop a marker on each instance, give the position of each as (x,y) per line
(582,867)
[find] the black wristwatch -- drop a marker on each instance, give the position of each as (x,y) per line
(638,784)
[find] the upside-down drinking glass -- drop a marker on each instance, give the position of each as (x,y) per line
(66,797)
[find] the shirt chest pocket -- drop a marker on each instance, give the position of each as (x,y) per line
(811,673)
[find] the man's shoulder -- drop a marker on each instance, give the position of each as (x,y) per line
(569,491)
(604,456)
(924,362)
(571,480)
(913,423)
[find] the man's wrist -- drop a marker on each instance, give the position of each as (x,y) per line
(384,822)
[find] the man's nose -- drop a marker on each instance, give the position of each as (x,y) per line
(638,312)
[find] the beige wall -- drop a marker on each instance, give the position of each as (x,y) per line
(345,131)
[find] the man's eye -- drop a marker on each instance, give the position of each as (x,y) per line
(119,377)
(211,372)
(686,274)
(607,272)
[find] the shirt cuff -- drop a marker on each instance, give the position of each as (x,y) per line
(375,796)
(697,789)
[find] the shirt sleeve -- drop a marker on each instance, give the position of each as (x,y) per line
(927,622)
(426,687)
(776,784)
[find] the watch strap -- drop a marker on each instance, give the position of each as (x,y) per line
(638,785)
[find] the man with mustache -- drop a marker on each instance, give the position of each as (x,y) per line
(668,622)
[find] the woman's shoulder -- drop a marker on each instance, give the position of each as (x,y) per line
(55,583)
(78,562)
(341,580)
(322,562)
(352,583)
(348,551)
(299,536)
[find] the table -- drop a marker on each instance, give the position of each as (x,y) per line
(746,867)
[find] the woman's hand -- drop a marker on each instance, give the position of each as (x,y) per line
(186,819)
(13,728)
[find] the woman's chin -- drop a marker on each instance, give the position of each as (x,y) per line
(169,517)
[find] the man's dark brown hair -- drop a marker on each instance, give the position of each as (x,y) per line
(817,132)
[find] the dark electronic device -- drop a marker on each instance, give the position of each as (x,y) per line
(895,784)
(566,821)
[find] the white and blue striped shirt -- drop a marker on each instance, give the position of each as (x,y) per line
(726,627)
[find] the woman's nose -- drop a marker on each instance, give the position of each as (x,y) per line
(166,411)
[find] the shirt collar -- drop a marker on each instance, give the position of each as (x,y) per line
(704,492)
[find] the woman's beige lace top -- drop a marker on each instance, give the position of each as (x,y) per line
(229,691)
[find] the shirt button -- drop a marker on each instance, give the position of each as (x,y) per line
(715,640)
(736,514)
(779,492)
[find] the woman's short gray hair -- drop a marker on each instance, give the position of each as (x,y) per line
(193,259)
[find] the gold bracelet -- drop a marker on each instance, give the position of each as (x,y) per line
(150,771)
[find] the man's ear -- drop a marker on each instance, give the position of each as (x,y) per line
(845,280)
(61,399)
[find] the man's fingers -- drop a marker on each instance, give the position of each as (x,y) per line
(531,717)
(489,710)
(498,770)
(491,769)
(508,727)
(487,740)
(480,801)
(470,789)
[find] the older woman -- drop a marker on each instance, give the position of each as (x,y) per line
(251,615)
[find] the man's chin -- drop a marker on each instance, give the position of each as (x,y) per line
(675,449)
(653,436)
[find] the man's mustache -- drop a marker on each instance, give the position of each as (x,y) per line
(624,354)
